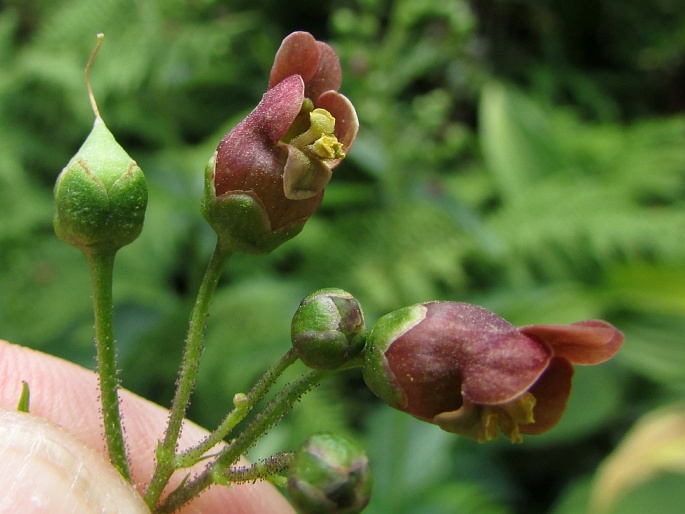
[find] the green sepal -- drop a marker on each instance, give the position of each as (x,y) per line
(375,369)
(100,196)
(240,219)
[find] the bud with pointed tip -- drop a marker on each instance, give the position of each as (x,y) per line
(327,330)
(330,473)
(100,196)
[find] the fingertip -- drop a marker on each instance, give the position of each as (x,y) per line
(66,394)
(44,468)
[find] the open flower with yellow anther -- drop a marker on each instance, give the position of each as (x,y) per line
(473,373)
(268,174)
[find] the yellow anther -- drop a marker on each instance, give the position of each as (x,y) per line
(507,417)
(327,147)
(319,140)
(322,122)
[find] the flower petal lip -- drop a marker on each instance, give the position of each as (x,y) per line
(318,65)
(316,62)
(249,151)
(328,76)
(251,160)
(552,391)
(304,177)
(585,342)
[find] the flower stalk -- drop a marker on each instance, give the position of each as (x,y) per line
(223,463)
(243,405)
(100,202)
(101,273)
(194,346)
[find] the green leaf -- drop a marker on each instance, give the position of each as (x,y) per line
(655,347)
(646,472)
(575,497)
(419,469)
(664,494)
(25,398)
(516,142)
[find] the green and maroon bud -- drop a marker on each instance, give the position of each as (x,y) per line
(268,174)
(327,330)
(330,475)
(471,372)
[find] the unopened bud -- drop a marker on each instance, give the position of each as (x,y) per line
(328,329)
(330,473)
(100,196)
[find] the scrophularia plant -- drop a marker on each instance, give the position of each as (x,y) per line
(452,364)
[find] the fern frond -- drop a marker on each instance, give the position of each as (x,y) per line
(392,257)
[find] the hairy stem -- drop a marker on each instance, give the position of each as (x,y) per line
(101,271)
(259,470)
(166,450)
(219,469)
(243,406)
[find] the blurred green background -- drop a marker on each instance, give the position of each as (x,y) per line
(526,155)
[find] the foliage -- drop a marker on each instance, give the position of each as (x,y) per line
(497,162)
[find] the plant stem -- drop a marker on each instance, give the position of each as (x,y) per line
(270,467)
(271,414)
(101,271)
(242,409)
(194,345)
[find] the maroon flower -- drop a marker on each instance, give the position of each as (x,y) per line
(471,372)
(271,169)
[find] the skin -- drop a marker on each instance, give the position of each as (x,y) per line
(66,395)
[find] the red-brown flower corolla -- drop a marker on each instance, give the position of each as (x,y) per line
(269,172)
(464,368)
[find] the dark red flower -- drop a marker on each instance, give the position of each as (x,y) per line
(277,161)
(471,372)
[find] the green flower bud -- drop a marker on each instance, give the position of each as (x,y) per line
(100,196)
(330,475)
(328,329)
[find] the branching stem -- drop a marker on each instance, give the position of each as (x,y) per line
(220,468)
(166,451)
(241,410)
